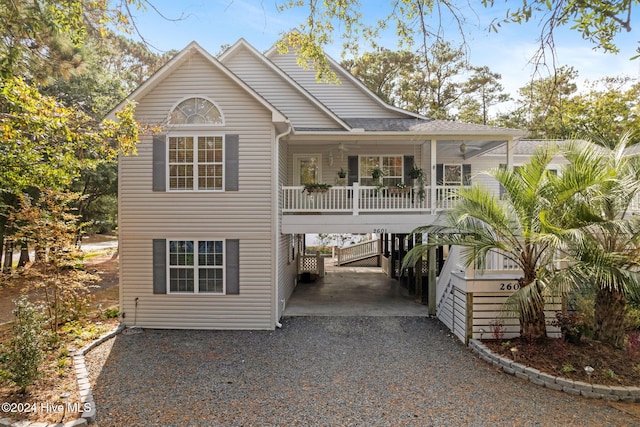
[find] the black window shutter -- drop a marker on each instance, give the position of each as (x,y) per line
(232,269)
(439,176)
(159,266)
(159,163)
(231,162)
(352,165)
(408,165)
(466,174)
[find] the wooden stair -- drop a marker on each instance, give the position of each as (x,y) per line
(358,253)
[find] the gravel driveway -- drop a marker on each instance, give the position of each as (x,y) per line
(322,371)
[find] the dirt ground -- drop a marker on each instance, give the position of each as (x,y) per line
(55,381)
(105,291)
(611,366)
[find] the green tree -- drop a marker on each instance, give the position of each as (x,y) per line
(429,84)
(597,21)
(47,38)
(604,113)
(47,145)
(481,223)
(49,223)
(419,23)
(483,90)
(595,193)
(383,72)
(544,104)
(25,354)
(443,65)
(112,69)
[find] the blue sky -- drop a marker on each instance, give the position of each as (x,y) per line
(213,23)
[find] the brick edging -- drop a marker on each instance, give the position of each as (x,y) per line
(576,388)
(84,388)
(82,374)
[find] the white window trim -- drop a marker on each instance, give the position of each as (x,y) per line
(296,166)
(451,183)
(195,265)
(380,156)
(191,125)
(195,135)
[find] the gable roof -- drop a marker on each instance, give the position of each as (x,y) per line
(183,56)
(243,44)
(343,74)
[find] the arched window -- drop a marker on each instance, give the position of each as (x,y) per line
(195,111)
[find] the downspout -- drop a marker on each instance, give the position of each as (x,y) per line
(275,181)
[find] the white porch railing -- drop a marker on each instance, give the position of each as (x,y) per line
(496,262)
(365,199)
(357,251)
(443,283)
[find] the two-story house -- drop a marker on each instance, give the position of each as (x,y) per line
(212,208)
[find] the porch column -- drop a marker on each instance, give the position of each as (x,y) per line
(510,149)
(433,199)
(356,199)
(393,255)
(411,279)
(432,279)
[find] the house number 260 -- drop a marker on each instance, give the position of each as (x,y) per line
(380,230)
(509,286)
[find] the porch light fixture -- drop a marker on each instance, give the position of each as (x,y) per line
(463,148)
(330,158)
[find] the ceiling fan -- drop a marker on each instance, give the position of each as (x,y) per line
(464,148)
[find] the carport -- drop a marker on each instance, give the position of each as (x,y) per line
(353,291)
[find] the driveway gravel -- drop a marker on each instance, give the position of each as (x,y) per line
(322,371)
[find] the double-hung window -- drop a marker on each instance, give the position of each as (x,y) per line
(196,266)
(196,163)
(391,166)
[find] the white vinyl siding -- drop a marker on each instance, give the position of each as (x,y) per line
(301,110)
(245,214)
(287,270)
(346,99)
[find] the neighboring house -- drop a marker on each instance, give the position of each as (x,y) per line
(212,209)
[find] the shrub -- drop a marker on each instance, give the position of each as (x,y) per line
(632,345)
(571,324)
(25,355)
(111,313)
(497,329)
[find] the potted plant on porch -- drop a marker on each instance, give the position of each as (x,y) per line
(342,175)
(416,172)
(377,173)
(316,188)
(399,188)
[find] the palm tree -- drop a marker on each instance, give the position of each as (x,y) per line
(596,191)
(481,223)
